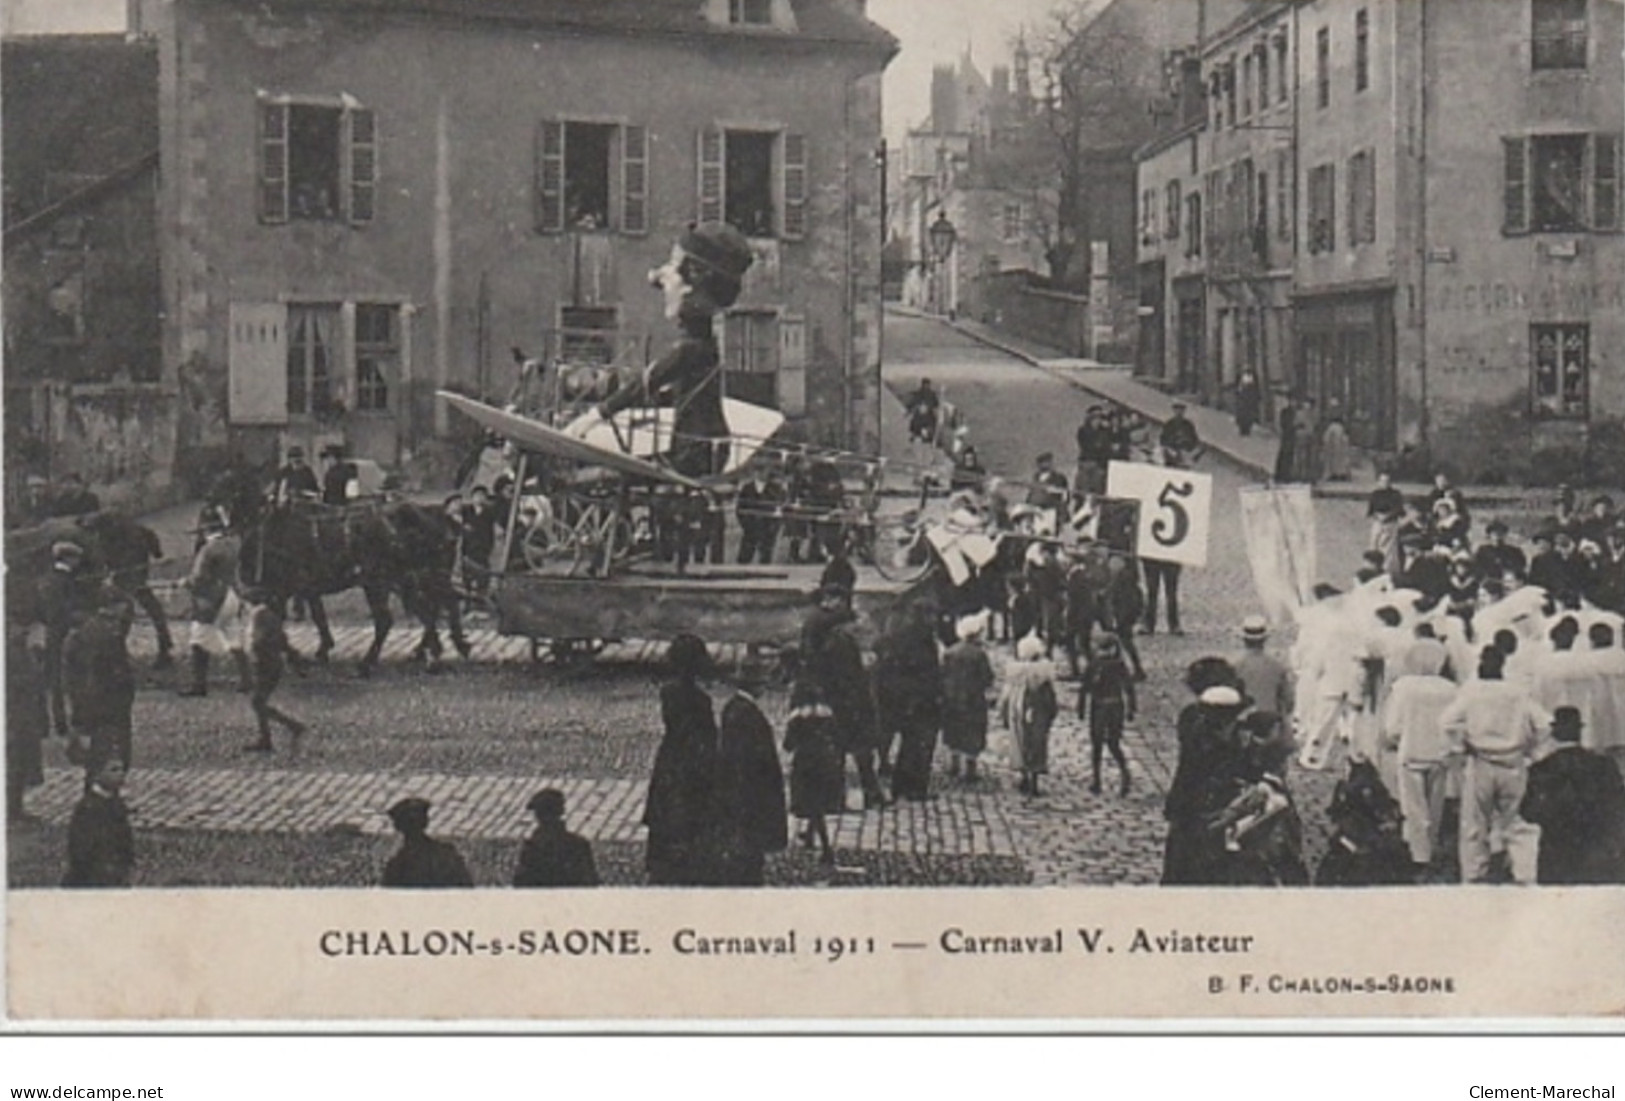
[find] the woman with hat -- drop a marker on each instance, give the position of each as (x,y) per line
(1206,775)
(679,807)
(1028,708)
(967,675)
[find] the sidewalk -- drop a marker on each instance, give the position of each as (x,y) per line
(1255,453)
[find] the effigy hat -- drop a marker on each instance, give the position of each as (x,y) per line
(1255,628)
(720,247)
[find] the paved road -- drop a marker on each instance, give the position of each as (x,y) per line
(477,738)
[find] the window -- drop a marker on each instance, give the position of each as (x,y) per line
(1561,369)
(750,345)
(1281,77)
(1148,217)
(1230,91)
(1561,183)
(1214,214)
(318,162)
(1362,205)
(1247,86)
(1323,67)
(1193,225)
(1215,97)
(1558,34)
(587,173)
(1263,77)
(312,354)
(1014,223)
(1283,194)
(756,180)
(587,334)
(753,13)
(1261,222)
(1362,50)
(1172,211)
(1322,209)
(377,355)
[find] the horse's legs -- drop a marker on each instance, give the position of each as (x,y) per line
(378,605)
(318,616)
(420,601)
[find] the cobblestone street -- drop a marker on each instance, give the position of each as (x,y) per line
(480,736)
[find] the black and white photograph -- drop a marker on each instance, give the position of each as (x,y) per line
(816,446)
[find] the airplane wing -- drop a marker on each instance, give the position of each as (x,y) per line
(534,436)
(646,432)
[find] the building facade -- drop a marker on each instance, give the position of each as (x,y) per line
(365,202)
(1413,222)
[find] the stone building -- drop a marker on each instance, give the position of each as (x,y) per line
(86,392)
(1419,233)
(365,201)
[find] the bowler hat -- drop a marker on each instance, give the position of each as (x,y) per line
(1566,721)
(720,247)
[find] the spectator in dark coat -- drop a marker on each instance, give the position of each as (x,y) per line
(1286,456)
(1206,776)
(28,717)
(100,684)
(1249,401)
(832,656)
(967,676)
(759,507)
(480,523)
(421,861)
(552,856)
(817,777)
(1106,698)
(1498,559)
(337,477)
(1576,797)
(749,791)
(269,653)
(61,607)
(1123,606)
(680,800)
(101,845)
(909,670)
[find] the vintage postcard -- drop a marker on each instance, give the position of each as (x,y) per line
(1091,511)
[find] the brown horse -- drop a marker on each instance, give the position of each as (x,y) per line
(308,550)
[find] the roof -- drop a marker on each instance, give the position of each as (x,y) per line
(830,21)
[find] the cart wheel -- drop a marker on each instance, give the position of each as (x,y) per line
(900,551)
(551,547)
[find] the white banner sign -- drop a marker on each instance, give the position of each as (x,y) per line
(1278,525)
(1174,509)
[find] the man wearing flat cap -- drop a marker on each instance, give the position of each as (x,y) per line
(553,856)
(421,861)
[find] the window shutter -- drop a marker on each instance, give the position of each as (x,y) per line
(1604,182)
(550,177)
(635,179)
(711,175)
(793,365)
(795,187)
(273,162)
(1331,208)
(257,363)
(1515,186)
(363,147)
(1368,216)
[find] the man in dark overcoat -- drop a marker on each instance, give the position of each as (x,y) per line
(831,654)
(750,812)
(1576,797)
(100,683)
(908,674)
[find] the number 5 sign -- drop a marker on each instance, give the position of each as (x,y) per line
(1174,507)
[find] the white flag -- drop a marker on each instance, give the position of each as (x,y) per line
(1279,527)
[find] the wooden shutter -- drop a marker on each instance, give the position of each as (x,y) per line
(257,363)
(1515,186)
(1604,182)
(550,177)
(792,365)
(362,126)
(1368,216)
(634,179)
(1356,175)
(795,187)
(273,162)
(712,181)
